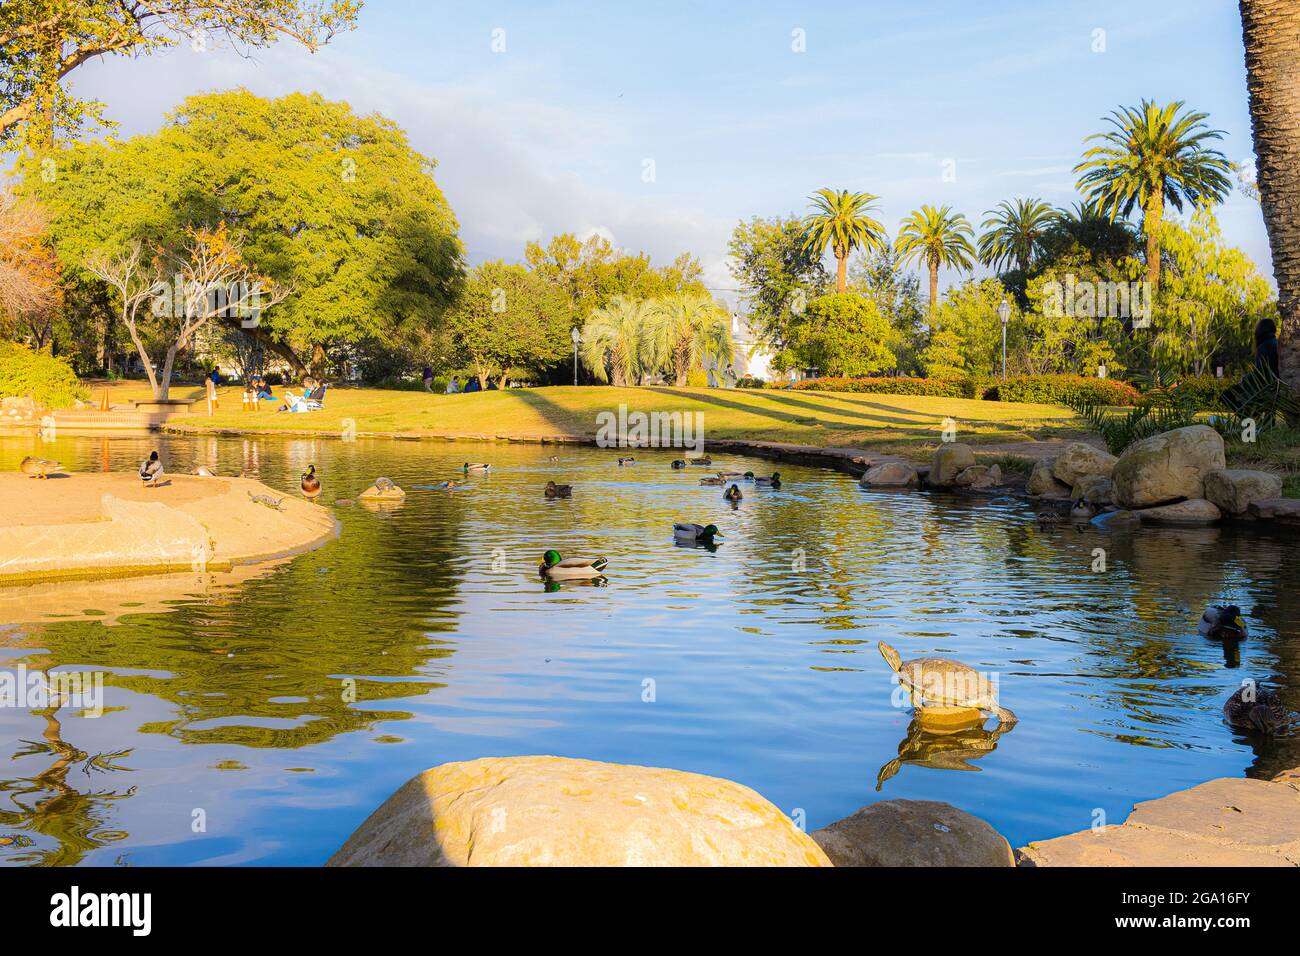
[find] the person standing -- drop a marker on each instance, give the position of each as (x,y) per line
(1266,355)
(428,379)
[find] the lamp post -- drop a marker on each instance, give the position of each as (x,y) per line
(577,337)
(1004,313)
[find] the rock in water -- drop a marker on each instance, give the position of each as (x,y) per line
(554,811)
(979,476)
(1167,467)
(1042,483)
(1078,460)
(890,474)
(950,459)
(388,492)
(1236,489)
(913,833)
(1194,512)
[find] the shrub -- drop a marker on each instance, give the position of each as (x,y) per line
(751,381)
(697,378)
(50,381)
(1204,391)
(1063,390)
(1153,416)
(947,387)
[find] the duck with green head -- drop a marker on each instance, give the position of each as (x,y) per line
(478,467)
(764,482)
(703,533)
(558,568)
(733,494)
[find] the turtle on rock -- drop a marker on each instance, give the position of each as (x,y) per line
(943,682)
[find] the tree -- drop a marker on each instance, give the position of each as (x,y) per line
(897,294)
(942,355)
(1210,299)
(614,340)
(936,237)
(1270,29)
(1155,154)
(1054,335)
(967,323)
(778,273)
(42,41)
(1084,230)
(1014,233)
(842,333)
(840,220)
(29,274)
(336,206)
(508,318)
(687,331)
(211,280)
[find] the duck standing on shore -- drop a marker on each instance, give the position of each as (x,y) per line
(151,470)
(310,484)
(39,467)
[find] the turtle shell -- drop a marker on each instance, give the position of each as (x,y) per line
(945,683)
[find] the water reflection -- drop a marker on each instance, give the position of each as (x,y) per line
(295,697)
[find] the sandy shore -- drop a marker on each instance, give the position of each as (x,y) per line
(82,525)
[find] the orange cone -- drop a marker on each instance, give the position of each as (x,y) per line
(103,402)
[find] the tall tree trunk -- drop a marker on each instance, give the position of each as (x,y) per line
(1152,218)
(934,287)
(1271,31)
(842,273)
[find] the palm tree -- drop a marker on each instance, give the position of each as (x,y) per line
(1155,154)
(936,237)
(686,331)
(1086,227)
(1270,28)
(841,221)
(1014,235)
(614,340)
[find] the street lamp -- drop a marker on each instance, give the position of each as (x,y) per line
(577,337)
(1004,313)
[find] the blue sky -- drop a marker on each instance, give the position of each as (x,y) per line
(554,133)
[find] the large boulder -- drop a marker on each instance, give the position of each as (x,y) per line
(554,811)
(1192,512)
(1078,460)
(1235,489)
(890,474)
(979,476)
(1167,467)
(913,833)
(1286,510)
(1042,482)
(950,460)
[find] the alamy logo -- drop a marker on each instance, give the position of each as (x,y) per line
(1097,300)
(74,908)
(626,429)
(37,690)
(181,299)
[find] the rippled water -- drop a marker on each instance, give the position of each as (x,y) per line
(228,711)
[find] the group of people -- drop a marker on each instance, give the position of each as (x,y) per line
(471,385)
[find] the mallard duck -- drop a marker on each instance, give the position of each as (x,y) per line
(39,467)
(1049,519)
(703,460)
(713,481)
(764,482)
(151,469)
(733,494)
(1257,709)
(310,484)
(678,463)
(473,467)
(558,491)
(1083,510)
(203,471)
(731,475)
(684,531)
(447,485)
(560,568)
(1223,622)
(624,462)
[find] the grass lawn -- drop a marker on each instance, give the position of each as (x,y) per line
(898,424)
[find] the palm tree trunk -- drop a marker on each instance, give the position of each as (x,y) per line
(934,287)
(1152,216)
(1270,29)
(842,275)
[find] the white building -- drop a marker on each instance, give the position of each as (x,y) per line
(752,357)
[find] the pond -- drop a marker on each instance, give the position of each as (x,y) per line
(258,718)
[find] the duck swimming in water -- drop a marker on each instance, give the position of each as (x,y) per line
(684,531)
(1048,519)
(763,482)
(1083,511)
(151,469)
(733,494)
(559,568)
(1256,709)
(624,462)
(678,463)
(553,490)
(310,484)
(475,467)
(1223,622)
(713,481)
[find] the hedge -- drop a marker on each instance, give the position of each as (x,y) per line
(1205,391)
(1060,389)
(50,381)
(946,387)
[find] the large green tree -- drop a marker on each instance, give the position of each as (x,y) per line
(42,41)
(843,221)
(938,238)
(1014,233)
(335,207)
(688,331)
(614,340)
(508,318)
(1154,155)
(842,333)
(777,272)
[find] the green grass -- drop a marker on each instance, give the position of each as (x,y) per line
(1276,450)
(897,424)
